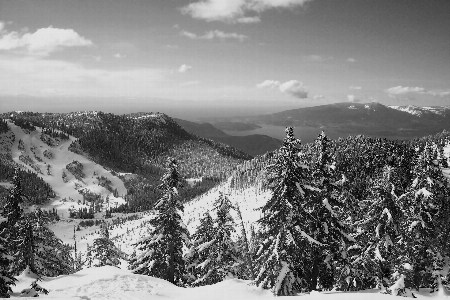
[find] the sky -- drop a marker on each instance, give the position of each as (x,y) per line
(221,56)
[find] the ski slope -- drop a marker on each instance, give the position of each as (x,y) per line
(67,191)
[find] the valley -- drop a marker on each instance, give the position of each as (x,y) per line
(93,179)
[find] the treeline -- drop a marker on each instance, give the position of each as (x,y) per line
(3,126)
(36,190)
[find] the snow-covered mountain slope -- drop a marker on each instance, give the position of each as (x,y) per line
(113,283)
(421,111)
(50,162)
(248,200)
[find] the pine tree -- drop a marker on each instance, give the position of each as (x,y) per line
(280,254)
(423,214)
(380,227)
(198,253)
(10,215)
(322,217)
(161,253)
(104,252)
(37,247)
(218,255)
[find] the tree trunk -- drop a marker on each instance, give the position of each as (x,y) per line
(315,269)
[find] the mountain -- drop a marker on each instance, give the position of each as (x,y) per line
(358,118)
(86,157)
(254,144)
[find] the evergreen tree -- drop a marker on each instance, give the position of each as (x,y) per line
(423,209)
(10,215)
(198,253)
(37,247)
(322,218)
(161,253)
(279,256)
(380,227)
(218,255)
(104,252)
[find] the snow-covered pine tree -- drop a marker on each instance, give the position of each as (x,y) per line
(322,218)
(279,256)
(380,228)
(427,196)
(198,253)
(161,253)
(222,258)
(12,212)
(104,252)
(39,248)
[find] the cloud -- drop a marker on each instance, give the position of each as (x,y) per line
(294,88)
(248,20)
(268,84)
(440,93)
(353,87)
(176,26)
(34,75)
(318,97)
(400,90)
(351,60)
(118,55)
(395,91)
(316,58)
(210,35)
(184,68)
(42,42)
(353,98)
(189,83)
(236,11)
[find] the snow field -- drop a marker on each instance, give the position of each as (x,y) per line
(34,147)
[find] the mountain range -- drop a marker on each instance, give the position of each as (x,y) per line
(358,118)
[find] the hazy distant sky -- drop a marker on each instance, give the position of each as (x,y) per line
(134,55)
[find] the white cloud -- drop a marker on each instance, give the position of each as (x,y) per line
(2,26)
(316,58)
(34,75)
(176,26)
(352,60)
(353,87)
(184,68)
(189,83)
(248,20)
(405,90)
(294,88)
(400,90)
(353,98)
(118,55)
(234,11)
(318,97)
(268,84)
(210,35)
(42,42)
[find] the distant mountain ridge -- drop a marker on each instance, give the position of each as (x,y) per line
(360,118)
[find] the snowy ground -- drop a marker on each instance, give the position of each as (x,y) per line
(34,149)
(113,283)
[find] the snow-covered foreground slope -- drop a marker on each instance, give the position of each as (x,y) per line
(39,157)
(113,283)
